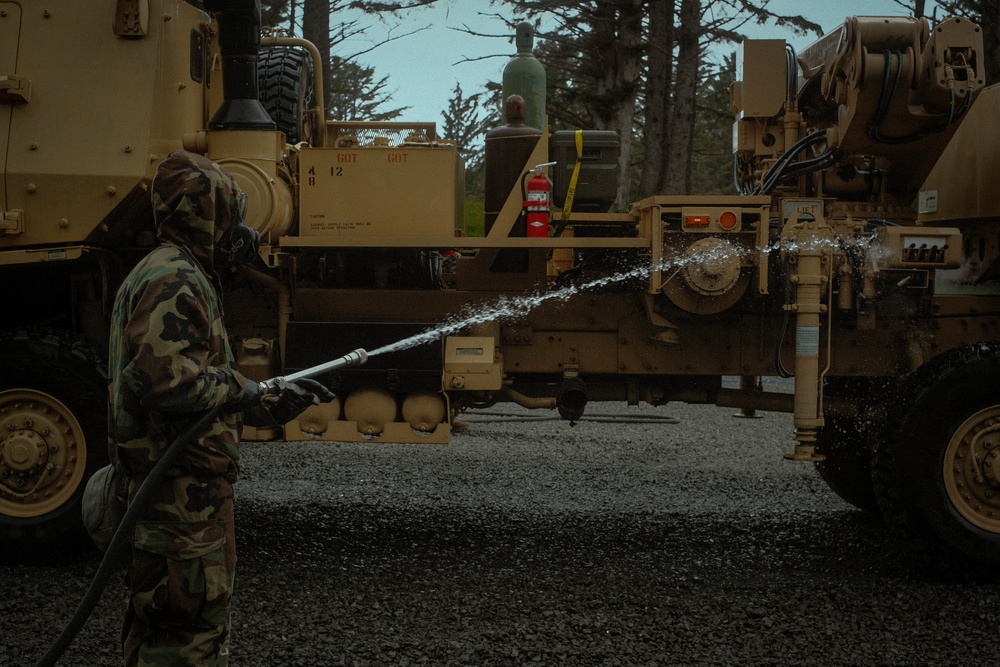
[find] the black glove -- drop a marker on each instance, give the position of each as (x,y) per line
(293,398)
(250,398)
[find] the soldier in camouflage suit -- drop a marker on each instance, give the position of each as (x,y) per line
(170,362)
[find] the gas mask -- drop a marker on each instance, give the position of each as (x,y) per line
(239,243)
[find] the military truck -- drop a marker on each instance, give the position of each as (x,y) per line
(845,259)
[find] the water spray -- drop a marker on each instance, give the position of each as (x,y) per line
(507,308)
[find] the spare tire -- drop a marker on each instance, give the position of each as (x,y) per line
(285,88)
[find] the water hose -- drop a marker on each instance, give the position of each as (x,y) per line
(120,541)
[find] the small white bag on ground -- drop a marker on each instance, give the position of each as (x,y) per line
(102,506)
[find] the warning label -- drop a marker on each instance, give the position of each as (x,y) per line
(340,226)
(807,341)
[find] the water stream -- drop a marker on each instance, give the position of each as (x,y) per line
(507,308)
(510,308)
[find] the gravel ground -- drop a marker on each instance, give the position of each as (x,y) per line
(648,541)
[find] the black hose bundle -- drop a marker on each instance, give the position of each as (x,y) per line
(779,170)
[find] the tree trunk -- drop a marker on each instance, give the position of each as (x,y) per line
(618,38)
(677,173)
(990,14)
(659,78)
(316,29)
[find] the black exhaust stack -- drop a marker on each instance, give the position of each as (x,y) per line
(239,42)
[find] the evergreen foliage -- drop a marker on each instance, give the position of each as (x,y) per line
(466,121)
(354,93)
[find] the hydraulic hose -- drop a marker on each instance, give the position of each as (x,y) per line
(120,541)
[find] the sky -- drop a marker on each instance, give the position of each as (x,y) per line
(432,53)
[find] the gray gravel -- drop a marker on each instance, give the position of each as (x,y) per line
(534,542)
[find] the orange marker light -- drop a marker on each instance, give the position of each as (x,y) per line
(727,220)
(696,221)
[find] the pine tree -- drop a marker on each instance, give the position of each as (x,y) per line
(465,122)
(273,12)
(353,93)
(712,154)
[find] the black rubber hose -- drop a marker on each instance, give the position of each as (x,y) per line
(783,330)
(120,541)
(775,171)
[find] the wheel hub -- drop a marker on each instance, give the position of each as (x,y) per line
(972,469)
(714,266)
(24,451)
(42,453)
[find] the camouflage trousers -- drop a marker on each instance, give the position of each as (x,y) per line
(181,576)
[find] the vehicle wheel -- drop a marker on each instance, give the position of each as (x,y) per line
(848,443)
(53,434)
(938,478)
(284,84)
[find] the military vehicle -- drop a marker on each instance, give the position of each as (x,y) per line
(846,260)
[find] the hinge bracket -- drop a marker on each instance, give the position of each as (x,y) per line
(12,222)
(14,89)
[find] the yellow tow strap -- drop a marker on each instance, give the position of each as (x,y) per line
(571,192)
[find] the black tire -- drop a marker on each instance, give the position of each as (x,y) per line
(937,471)
(285,88)
(53,435)
(849,442)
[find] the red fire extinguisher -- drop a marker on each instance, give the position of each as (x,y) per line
(537,205)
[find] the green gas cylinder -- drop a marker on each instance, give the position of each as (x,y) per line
(525,76)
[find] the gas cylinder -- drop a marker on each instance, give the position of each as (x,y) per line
(508,148)
(524,75)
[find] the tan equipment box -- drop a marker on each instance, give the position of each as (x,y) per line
(379,191)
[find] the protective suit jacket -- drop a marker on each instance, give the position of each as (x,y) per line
(169,357)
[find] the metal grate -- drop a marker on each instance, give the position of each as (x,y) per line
(348,134)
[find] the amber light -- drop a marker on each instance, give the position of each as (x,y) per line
(727,220)
(696,221)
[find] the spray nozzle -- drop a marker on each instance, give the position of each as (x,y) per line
(355,358)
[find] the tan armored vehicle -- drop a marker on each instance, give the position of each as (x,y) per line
(845,260)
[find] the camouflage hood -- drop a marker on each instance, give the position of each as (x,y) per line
(194,202)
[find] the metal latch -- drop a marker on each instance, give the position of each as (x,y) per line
(14,89)
(12,222)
